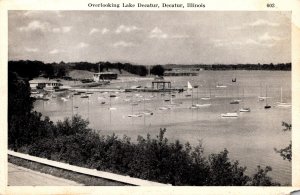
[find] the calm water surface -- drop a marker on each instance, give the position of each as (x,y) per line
(250,138)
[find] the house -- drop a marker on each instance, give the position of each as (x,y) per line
(104,76)
(160,84)
(44,84)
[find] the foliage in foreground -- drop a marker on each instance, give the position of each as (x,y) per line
(149,158)
(286,153)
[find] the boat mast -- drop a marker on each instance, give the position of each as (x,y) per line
(281,95)
(266,95)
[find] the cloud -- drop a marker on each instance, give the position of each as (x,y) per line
(267,37)
(122,28)
(35,26)
(82,45)
(256,23)
(123,44)
(63,29)
(261,22)
(235,27)
(104,31)
(55,51)
(179,36)
(32,13)
(93,31)
(33,50)
(66,29)
(158,33)
(228,43)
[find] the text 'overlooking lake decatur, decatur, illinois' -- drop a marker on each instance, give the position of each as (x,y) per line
(147,5)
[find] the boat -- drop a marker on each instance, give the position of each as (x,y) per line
(84,96)
(134,115)
(147,113)
(193,107)
(164,108)
(220,85)
(202,105)
(244,109)
(34,92)
(189,86)
(64,99)
(235,102)
(197,105)
(230,115)
(267,106)
(282,104)
(111,108)
(261,98)
(209,97)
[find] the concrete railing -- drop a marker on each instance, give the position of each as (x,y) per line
(86,171)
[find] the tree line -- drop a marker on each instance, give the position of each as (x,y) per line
(156,159)
(31,69)
(271,66)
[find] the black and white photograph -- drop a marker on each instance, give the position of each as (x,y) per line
(149,98)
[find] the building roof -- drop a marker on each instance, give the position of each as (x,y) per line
(100,73)
(34,81)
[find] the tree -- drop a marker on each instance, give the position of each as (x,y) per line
(260,178)
(157,70)
(225,173)
(286,153)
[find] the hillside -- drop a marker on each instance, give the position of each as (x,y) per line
(84,74)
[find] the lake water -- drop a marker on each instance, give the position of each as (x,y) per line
(250,138)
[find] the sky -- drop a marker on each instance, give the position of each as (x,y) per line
(150,37)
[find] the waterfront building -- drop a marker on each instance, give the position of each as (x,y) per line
(44,84)
(104,76)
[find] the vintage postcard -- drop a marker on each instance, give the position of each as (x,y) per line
(174,97)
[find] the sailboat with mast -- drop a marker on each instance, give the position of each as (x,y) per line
(208,97)
(260,97)
(201,105)
(229,114)
(244,109)
(134,115)
(267,106)
(189,88)
(281,103)
(193,106)
(237,100)
(110,107)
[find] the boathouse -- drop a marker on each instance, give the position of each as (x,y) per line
(104,76)
(44,84)
(161,85)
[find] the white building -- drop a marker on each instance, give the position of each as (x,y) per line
(44,84)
